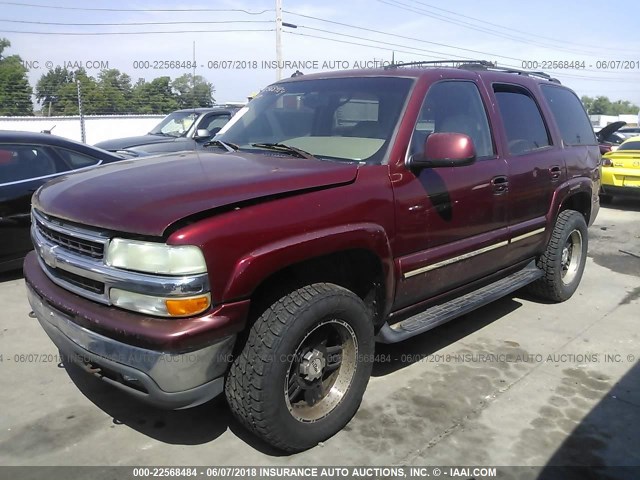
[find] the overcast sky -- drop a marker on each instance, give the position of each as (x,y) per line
(498,30)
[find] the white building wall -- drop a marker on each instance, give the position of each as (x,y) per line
(599,121)
(97,128)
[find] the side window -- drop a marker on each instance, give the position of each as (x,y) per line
(25,162)
(76,160)
(358,116)
(523,123)
(213,123)
(291,117)
(570,116)
(453,106)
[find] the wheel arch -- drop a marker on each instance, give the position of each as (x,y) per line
(357,257)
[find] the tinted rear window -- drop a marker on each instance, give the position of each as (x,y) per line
(630,146)
(570,116)
(523,123)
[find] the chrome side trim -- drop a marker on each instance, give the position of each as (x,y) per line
(54,257)
(459,258)
(465,256)
(527,235)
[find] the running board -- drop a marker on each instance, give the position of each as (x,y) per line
(439,314)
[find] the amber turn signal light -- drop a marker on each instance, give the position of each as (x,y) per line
(182,307)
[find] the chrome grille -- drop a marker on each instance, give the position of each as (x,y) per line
(78,241)
(73,244)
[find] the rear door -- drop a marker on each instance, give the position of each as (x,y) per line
(535,163)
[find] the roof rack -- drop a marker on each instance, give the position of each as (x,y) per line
(473,65)
(442,63)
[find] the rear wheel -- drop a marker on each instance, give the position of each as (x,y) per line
(304,368)
(564,259)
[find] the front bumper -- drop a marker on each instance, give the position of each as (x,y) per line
(171,363)
(166,380)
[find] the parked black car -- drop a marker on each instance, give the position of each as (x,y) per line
(187,129)
(27,161)
(610,136)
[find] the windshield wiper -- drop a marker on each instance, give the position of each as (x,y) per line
(281,147)
(228,146)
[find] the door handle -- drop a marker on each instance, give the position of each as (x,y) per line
(500,184)
(555,172)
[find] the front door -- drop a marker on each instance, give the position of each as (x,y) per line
(451,222)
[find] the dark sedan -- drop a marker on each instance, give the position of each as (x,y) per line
(27,161)
(181,130)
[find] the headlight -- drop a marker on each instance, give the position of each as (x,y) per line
(149,257)
(162,306)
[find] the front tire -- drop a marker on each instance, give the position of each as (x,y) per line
(303,370)
(564,259)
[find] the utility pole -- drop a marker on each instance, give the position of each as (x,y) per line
(194,65)
(279,39)
(83,135)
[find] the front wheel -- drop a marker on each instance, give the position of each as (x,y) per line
(304,367)
(564,258)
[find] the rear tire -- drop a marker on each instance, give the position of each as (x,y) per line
(564,259)
(303,370)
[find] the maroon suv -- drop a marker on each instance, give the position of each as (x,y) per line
(334,211)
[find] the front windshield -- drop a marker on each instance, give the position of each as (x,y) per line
(336,118)
(176,124)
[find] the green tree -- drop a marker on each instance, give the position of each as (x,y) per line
(193,91)
(155,96)
(68,95)
(601,105)
(114,93)
(15,91)
(48,89)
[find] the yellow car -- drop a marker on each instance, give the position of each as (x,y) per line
(621,170)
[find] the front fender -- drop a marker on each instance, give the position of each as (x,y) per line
(252,269)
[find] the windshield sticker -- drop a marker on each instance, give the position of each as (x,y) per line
(278,89)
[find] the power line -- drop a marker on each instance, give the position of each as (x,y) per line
(132,33)
(493,55)
(410,8)
(96,9)
(458,14)
(363,45)
(561,74)
(85,24)
(400,36)
(379,41)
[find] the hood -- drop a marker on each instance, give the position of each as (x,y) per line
(609,129)
(124,143)
(147,195)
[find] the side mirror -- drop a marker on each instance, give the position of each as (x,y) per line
(202,134)
(445,150)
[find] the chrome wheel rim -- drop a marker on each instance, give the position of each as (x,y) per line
(571,257)
(321,370)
